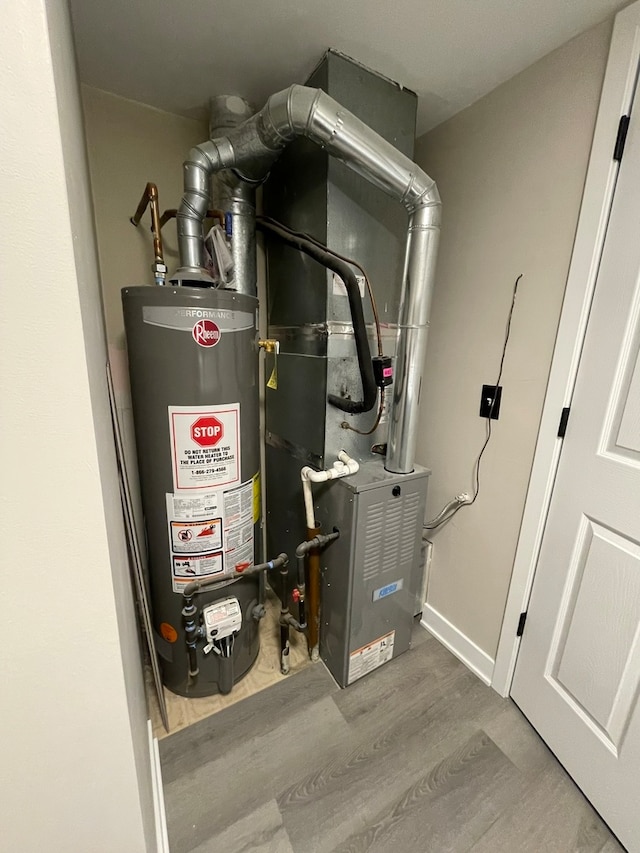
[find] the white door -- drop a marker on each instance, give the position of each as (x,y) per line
(577,677)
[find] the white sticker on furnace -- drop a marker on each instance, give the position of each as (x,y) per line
(340,289)
(370,657)
(205,446)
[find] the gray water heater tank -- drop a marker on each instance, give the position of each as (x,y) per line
(193,364)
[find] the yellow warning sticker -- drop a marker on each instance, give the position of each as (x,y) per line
(257,503)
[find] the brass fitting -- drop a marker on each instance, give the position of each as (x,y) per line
(270,345)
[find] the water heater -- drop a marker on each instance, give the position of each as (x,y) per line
(193,364)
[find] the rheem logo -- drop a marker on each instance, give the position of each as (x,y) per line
(206,333)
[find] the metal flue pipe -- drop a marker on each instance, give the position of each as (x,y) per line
(251,148)
(227,112)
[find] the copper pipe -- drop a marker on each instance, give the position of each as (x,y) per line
(144,201)
(313,596)
(155,223)
(167,215)
(171,213)
(150,199)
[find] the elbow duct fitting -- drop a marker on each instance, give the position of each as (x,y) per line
(251,148)
(342,467)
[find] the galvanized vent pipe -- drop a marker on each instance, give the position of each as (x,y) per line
(227,112)
(251,148)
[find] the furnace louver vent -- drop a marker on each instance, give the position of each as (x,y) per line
(409,520)
(374,532)
(390,535)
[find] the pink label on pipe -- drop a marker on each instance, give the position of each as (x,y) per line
(388,371)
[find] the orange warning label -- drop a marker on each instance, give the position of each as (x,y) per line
(196,536)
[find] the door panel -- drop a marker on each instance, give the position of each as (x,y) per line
(578,672)
(624,435)
(591,659)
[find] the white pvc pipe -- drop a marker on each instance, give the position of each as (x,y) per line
(308,500)
(344,466)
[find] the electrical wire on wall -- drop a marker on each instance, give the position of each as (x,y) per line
(462,500)
(372,300)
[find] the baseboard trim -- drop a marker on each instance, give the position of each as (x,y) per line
(458,643)
(162,838)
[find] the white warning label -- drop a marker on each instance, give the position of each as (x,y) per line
(195,506)
(370,657)
(195,567)
(339,287)
(188,537)
(205,446)
(238,526)
(196,537)
(211,533)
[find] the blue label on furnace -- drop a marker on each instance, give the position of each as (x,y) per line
(389,589)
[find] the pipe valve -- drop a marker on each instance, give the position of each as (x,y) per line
(271,346)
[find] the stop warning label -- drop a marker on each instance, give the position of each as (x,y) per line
(205,446)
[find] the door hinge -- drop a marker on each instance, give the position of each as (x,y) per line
(621,138)
(521,621)
(564,420)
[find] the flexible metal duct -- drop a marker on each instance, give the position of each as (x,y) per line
(250,150)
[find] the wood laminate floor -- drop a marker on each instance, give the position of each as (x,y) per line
(417,756)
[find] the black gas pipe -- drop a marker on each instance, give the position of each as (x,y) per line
(190,610)
(287,621)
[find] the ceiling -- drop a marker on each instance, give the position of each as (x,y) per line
(175,54)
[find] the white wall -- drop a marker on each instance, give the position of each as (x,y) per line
(510,170)
(130,144)
(75,770)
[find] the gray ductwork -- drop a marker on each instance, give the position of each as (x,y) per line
(226,113)
(251,148)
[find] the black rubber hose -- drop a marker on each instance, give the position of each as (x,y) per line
(369,387)
(225,674)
